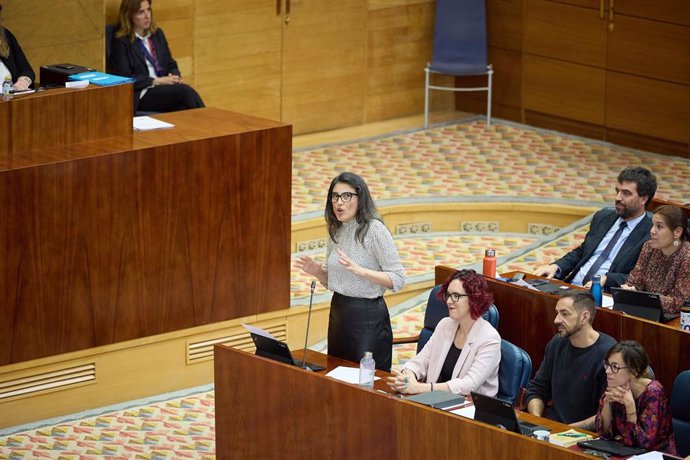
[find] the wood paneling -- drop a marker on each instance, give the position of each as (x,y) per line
(324,64)
(505,24)
(646,106)
(238,64)
(673,11)
(564,89)
(650,49)
(399,45)
(57,31)
(565,32)
(144,234)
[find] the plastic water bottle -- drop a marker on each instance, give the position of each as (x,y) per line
(596,290)
(7,86)
(367,366)
(489,265)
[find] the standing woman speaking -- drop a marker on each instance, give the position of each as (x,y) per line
(140,51)
(361,263)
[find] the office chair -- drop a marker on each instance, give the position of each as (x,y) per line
(436,310)
(460,48)
(680,410)
(514,372)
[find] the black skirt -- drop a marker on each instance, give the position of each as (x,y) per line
(356,325)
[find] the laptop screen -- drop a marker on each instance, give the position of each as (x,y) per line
(642,304)
(494,411)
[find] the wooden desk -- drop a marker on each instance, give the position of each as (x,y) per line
(61,116)
(145,233)
(526,319)
(270,410)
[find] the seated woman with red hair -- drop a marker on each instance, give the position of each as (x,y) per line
(464,351)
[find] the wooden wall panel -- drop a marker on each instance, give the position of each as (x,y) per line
(57,31)
(671,11)
(564,89)
(650,107)
(505,24)
(238,48)
(399,45)
(324,64)
(650,48)
(565,32)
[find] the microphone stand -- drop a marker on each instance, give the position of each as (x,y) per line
(306,336)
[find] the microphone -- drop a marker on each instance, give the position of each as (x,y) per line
(306,335)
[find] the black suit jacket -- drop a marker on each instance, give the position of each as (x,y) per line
(126,59)
(16,62)
(626,258)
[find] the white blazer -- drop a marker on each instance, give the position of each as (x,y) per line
(477,366)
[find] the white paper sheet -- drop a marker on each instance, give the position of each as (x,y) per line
(149,123)
(467,411)
(347,374)
(654,455)
(258,331)
(606,301)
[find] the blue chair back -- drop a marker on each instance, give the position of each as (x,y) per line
(680,410)
(437,309)
(460,43)
(514,371)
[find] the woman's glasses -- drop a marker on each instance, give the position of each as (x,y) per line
(345,196)
(613,366)
(454,296)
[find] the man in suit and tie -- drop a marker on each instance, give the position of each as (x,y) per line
(615,237)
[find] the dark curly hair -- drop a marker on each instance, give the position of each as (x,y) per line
(366,209)
(475,287)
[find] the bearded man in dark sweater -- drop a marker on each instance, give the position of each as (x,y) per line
(572,374)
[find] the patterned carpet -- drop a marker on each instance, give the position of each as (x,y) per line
(459,160)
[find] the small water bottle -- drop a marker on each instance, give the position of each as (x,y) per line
(7,86)
(596,290)
(489,265)
(367,366)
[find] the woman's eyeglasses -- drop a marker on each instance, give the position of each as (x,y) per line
(345,196)
(454,296)
(613,366)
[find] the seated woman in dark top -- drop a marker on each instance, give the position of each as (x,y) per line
(140,51)
(634,409)
(464,351)
(13,62)
(664,262)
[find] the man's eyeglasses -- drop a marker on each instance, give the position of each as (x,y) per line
(454,296)
(613,366)
(345,196)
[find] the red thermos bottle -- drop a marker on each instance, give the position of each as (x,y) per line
(490,263)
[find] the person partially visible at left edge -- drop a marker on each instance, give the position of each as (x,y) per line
(634,409)
(140,51)
(571,374)
(13,62)
(361,264)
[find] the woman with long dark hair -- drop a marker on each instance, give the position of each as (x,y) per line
(361,264)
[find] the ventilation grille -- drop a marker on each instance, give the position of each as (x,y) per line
(59,379)
(203,351)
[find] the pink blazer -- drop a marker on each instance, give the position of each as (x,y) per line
(477,366)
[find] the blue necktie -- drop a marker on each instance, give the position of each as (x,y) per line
(604,255)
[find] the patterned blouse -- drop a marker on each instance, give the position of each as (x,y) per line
(378,253)
(653,429)
(667,275)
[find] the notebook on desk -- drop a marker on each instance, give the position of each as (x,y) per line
(278,351)
(497,412)
(642,304)
(547,286)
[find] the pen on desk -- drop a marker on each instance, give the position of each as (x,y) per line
(573,435)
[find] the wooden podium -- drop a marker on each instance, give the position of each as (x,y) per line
(109,236)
